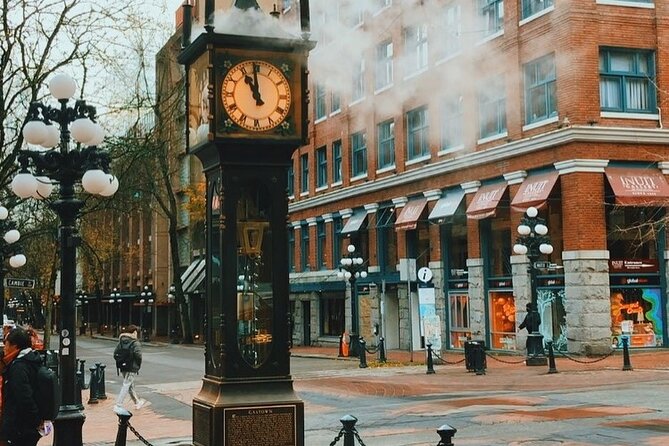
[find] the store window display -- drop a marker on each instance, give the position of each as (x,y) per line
(503,320)
(636,312)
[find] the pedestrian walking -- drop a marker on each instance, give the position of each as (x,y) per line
(22,424)
(128,357)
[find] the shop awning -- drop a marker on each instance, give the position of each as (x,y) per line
(409,215)
(638,186)
(447,205)
(534,191)
(355,222)
(485,201)
(193,276)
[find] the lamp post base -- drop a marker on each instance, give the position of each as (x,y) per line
(68,425)
(354,348)
(535,350)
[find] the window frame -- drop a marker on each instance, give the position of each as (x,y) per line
(384,65)
(385,143)
(488,100)
(547,84)
(605,72)
(416,48)
(452,120)
(358,154)
(358,85)
(492,12)
(304,173)
(527,10)
(304,247)
(320,107)
(321,166)
(337,162)
(422,131)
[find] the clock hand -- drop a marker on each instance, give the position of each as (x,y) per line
(254,88)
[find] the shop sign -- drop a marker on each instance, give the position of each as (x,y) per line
(636,266)
(501,283)
(553,281)
(635,280)
(458,285)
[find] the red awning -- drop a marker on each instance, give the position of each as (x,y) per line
(534,191)
(411,212)
(638,186)
(485,201)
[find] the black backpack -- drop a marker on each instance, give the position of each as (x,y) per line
(47,393)
(124,355)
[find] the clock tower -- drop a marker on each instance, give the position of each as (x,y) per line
(246,99)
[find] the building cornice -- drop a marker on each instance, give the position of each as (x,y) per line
(618,135)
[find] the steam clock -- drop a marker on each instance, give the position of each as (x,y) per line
(246,107)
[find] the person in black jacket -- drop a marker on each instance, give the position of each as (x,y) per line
(129,369)
(20,416)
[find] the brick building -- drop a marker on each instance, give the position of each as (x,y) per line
(436,124)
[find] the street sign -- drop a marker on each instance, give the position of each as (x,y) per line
(19,283)
(542,265)
(425,274)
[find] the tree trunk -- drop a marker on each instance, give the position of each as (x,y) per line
(182,306)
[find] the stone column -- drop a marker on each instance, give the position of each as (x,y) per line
(522,292)
(587,301)
(477,298)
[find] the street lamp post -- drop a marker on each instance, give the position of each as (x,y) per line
(115,297)
(82,304)
(8,248)
(351,268)
(60,164)
(146,298)
(533,241)
(171,324)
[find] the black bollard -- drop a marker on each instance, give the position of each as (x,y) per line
(82,369)
(382,350)
(479,358)
(102,393)
(551,358)
(123,423)
(93,385)
(627,365)
(348,421)
(341,346)
(363,353)
(446,433)
(430,361)
(80,380)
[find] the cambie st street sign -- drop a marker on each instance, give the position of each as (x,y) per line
(19,283)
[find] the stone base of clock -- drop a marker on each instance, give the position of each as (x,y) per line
(262,412)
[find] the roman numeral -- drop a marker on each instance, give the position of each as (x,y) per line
(244,70)
(232,106)
(283,96)
(256,123)
(280,110)
(242,117)
(270,122)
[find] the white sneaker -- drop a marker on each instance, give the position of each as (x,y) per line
(142,403)
(118,409)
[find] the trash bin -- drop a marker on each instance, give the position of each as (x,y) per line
(475,355)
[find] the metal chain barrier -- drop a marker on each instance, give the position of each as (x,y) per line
(436,355)
(580,361)
(138,435)
(338,437)
(502,360)
(373,350)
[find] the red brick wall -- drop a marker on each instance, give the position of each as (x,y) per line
(583,211)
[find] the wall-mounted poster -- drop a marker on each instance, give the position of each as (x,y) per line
(639,312)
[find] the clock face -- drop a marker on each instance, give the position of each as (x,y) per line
(256,95)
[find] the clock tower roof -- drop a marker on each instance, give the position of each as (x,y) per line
(246,4)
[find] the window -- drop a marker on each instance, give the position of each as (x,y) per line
(355,14)
(322,167)
(452,41)
(383,4)
(304,163)
(333,315)
(336,161)
(335,102)
(358,154)
(386,237)
(417,133)
(627,81)
(492,13)
(320,245)
(337,238)
(415,39)
(320,102)
(452,120)
(386,143)
(384,65)
(492,109)
(540,95)
(358,80)
(291,180)
(291,248)
(458,312)
(304,255)
(531,7)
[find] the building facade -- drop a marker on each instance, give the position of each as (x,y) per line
(436,124)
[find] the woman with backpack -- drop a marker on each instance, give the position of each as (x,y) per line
(128,357)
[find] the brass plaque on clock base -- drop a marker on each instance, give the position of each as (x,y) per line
(248,414)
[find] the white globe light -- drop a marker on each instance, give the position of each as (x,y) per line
(44,187)
(52,137)
(35,132)
(358,260)
(340,274)
(546,248)
(541,229)
(524,230)
(347,274)
(82,130)
(343,261)
(4,213)
(95,181)
(532,212)
(24,184)
(202,133)
(111,188)
(520,249)
(363,274)
(98,136)
(17,261)
(357,274)
(12,236)
(349,261)
(351,248)
(62,86)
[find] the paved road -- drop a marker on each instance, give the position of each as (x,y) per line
(512,405)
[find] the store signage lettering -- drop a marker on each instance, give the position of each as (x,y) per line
(552,282)
(632,308)
(645,265)
(535,189)
(500,283)
(487,197)
(641,184)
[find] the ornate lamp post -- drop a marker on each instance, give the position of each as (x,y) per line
(116,315)
(533,241)
(82,303)
(146,298)
(60,164)
(351,268)
(8,249)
